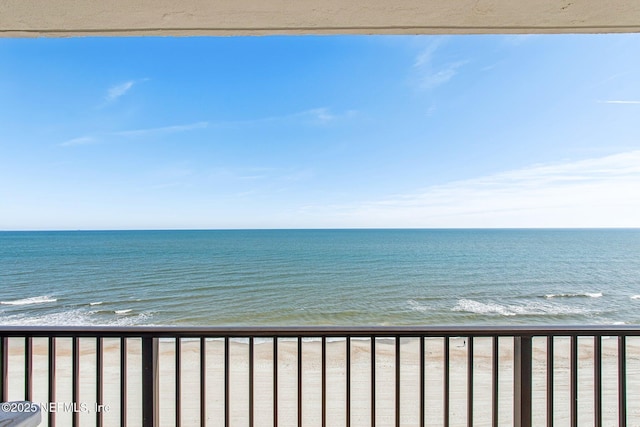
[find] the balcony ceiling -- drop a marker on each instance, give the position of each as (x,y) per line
(62,18)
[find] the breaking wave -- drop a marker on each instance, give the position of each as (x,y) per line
(75,317)
(416,306)
(29,301)
(579,295)
(471,306)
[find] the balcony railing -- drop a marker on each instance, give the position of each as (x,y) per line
(351,376)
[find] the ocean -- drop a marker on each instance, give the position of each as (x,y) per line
(320,277)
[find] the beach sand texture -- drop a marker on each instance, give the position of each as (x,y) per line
(335,381)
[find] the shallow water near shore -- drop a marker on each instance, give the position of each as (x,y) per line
(320,277)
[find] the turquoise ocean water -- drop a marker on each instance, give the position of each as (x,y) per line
(320,277)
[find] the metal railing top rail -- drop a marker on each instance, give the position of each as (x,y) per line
(148,356)
(318,331)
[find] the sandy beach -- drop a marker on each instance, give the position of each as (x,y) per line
(335,381)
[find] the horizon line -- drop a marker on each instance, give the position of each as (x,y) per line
(310,229)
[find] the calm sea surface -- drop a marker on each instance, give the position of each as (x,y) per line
(320,277)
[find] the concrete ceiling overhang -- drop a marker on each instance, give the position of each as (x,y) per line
(62,18)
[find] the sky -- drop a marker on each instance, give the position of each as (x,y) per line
(320,132)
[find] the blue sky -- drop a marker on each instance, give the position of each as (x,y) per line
(320,132)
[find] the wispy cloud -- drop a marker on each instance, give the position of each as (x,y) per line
(83,140)
(321,115)
(434,78)
(272,175)
(118,90)
(598,192)
(324,116)
(620,102)
(431,111)
(162,130)
(425,57)
(432,73)
(97,138)
(313,116)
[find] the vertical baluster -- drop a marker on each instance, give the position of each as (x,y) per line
(397,381)
(299,381)
(597,380)
(99,381)
(495,380)
(470,382)
(178,375)
(275,381)
(28,369)
(251,381)
(422,382)
(348,379)
(373,381)
(324,381)
(227,417)
(52,380)
(622,381)
(203,381)
(75,387)
(446,381)
(4,372)
(123,381)
(574,381)
(550,380)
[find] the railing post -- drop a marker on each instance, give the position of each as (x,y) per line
(4,369)
(522,381)
(150,387)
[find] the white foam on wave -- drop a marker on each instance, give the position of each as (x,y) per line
(416,306)
(96,303)
(76,317)
(583,295)
(123,311)
(29,301)
(471,306)
(635,297)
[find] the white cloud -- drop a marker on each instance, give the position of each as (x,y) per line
(116,91)
(601,192)
(431,73)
